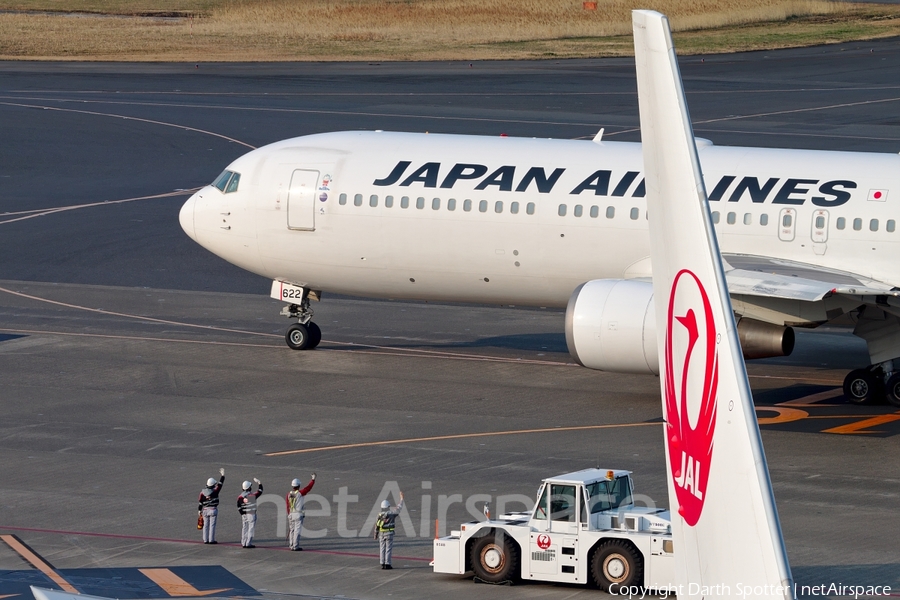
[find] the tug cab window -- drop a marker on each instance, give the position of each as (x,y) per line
(540,508)
(562,503)
(607,495)
(227,182)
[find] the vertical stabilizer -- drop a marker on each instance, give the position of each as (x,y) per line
(727,537)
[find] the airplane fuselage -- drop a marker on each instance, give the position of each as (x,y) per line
(525,221)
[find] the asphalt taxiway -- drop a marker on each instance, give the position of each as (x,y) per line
(134,363)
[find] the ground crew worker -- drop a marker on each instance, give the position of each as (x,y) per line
(246,504)
(384,531)
(208,507)
(294,500)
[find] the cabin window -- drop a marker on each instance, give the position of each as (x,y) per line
(529,208)
(610,212)
(857,224)
(514,208)
(482,206)
(404,202)
(763,219)
(731,218)
(841,223)
(787,220)
(420,203)
(595,212)
(467,205)
(342,199)
(373,201)
(451,204)
(436,204)
(748,219)
(357,200)
(562,210)
(388,201)
(498,207)
(890,226)
(715,217)
(635,213)
(578,210)
(820,222)
(873,225)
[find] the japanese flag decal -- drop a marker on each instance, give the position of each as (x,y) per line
(691,381)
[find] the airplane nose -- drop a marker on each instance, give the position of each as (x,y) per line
(186,217)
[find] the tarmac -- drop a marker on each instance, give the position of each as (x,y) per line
(134,363)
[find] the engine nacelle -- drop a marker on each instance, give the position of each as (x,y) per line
(611,326)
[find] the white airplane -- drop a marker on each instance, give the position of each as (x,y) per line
(809,237)
(725,527)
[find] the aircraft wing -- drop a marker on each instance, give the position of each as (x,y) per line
(774,278)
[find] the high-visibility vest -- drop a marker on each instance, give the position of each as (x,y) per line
(385,521)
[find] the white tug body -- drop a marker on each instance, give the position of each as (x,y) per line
(584,527)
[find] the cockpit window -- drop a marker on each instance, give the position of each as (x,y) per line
(227,182)
(233,184)
(222,180)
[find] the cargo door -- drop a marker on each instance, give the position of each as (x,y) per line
(301,209)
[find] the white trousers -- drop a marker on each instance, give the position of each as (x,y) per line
(209,524)
(295,525)
(248,528)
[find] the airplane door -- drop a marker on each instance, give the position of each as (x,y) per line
(301,200)
(787,223)
(819,231)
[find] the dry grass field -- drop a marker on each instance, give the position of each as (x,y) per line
(274,30)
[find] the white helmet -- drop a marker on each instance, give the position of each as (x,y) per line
(210,482)
(295,482)
(385,504)
(246,485)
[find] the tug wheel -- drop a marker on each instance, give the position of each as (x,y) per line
(616,564)
(495,558)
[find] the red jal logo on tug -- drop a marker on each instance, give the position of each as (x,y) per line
(691,380)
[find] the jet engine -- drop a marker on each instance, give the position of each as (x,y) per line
(611,326)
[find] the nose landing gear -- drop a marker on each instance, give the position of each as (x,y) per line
(304,334)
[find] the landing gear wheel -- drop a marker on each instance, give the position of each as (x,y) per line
(862,386)
(495,558)
(617,563)
(892,393)
(315,335)
(297,337)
